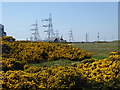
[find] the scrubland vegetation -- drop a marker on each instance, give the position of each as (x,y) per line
(22,69)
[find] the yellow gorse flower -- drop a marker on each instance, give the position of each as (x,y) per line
(17,75)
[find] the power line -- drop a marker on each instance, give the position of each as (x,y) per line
(70,35)
(98,37)
(56,34)
(35,35)
(49,26)
(87,38)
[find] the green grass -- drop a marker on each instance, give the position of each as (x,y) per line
(60,62)
(99,50)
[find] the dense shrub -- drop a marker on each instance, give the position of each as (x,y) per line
(100,74)
(105,72)
(89,74)
(38,51)
(8,38)
(12,64)
(55,77)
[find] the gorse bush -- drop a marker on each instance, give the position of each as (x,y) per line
(38,51)
(102,74)
(12,64)
(62,77)
(105,72)
(89,74)
(8,38)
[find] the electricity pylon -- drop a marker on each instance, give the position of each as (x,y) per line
(49,26)
(36,36)
(70,35)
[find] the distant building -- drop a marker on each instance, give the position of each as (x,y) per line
(2,33)
(60,40)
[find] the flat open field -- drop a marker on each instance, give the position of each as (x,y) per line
(100,50)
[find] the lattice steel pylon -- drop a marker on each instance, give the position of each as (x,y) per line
(87,37)
(49,26)
(56,34)
(36,36)
(70,35)
(98,37)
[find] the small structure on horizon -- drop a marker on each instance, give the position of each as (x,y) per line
(57,40)
(2,32)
